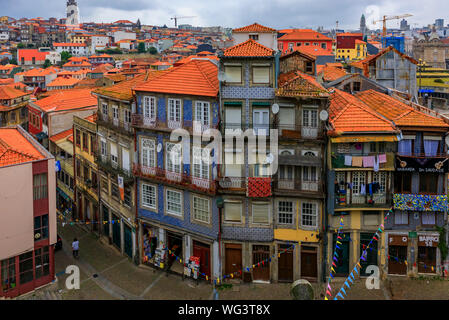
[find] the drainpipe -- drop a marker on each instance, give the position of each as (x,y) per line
(325,218)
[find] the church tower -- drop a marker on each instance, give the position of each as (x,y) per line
(72,13)
(363,28)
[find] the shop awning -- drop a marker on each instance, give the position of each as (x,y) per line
(348,139)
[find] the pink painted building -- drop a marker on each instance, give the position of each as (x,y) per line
(27,213)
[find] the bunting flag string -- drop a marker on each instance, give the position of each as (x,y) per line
(334,259)
(362,258)
(84,222)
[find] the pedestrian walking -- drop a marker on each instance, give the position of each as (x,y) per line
(75,247)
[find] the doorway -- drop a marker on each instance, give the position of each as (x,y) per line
(174,243)
(261,254)
(309,264)
(371,253)
(285,264)
(116,233)
(427,258)
(396,264)
(202,251)
(128,241)
(233,259)
(342,262)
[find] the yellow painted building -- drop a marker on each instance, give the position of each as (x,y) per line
(359,52)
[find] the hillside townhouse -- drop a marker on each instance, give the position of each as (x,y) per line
(303,37)
(361,163)
(31,58)
(28,213)
(54,114)
(176,188)
(13,106)
(351,47)
(97,60)
(247,94)
(37,78)
(420,187)
(8,71)
(75,49)
(77,64)
(86,172)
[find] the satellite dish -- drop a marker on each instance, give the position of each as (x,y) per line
(447,140)
(324,115)
(159,147)
(275,108)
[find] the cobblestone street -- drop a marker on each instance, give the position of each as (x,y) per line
(107,275)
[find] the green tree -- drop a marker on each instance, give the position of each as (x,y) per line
(152,50)
(47,64)
(65,56)
(141,47)
(13,61)
(20,46)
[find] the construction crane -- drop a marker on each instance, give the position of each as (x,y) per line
(176,19)
(385,18)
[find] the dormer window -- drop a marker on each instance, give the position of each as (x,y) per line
(254,37)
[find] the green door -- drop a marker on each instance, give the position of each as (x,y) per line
(116,239)
(106,218)
(342,262)
(371,253)
(128,241)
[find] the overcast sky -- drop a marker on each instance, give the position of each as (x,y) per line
(235,13)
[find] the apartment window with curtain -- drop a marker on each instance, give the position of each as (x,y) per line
(173,157)
(114,154)
(202,113)
(401,217)
(405,147)
(232,211)
(40,186)
(428,218)
(78,138)
(431,146)
(233,74)
(428,183)
(358,179)
(92,144)
(381,178)
(309,174)
(261,75)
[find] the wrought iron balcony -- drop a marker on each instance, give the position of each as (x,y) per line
(176,178)
(138,120)
(297,185)
(376,200)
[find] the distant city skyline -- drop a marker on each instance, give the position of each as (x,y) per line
(234,13)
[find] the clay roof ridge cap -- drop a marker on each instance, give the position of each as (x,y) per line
(204,75)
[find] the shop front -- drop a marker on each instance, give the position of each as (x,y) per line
(150,243)
(175,247)
(397,254)
(427,253)
(202,251)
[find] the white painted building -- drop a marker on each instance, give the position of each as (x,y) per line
(75,49)
(263,35)
(99,42)
(123,35)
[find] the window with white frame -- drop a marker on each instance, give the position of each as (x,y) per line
(148,153)
(174,110)
(400,217)
(309,214)
(201,211)
(148,196)
(286,172)
(202,113)
(200,163)
(381,178)
(149,107)
(309,174)
(285,212)
(114,154)
(358,179)
(173,157)
(232,211)
(310,118)
(115,112)
(174,202)
(260,212)
(126,116)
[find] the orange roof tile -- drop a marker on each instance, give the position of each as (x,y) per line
(300,85)
(63,82)
(67,99)
(62,135)
(255,27)
(397,111)
(304,34)
(197,77)
(330,74)
(344,108)
(9,92)
(314,51)
(29,54)
(15,148)
(249,48)
(68,44)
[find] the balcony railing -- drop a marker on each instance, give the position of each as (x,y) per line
(138,120)
(236,183)
(423,155)
(115,124)
(380,199)
(297,185)
(338,160)
(105,164)
(285,131)
(181,179)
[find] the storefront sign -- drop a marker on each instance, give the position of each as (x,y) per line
(410,164)
(428,240)
(397,240)
(412,235)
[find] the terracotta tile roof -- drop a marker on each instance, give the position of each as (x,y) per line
(67,99)
(397,111)
(92,118)
(363,63)
(62,135)
(314,51)
(83,64)
(249,48)
(15,148)
(9,92)
(255,27)
(39,72)
(330,74)
(344,109)
(348,34)
(63,82)
(67,44)
(6,81)
(304,34)
(29,54)
(197,77)
(103,68)
(123,90)
(301,85)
